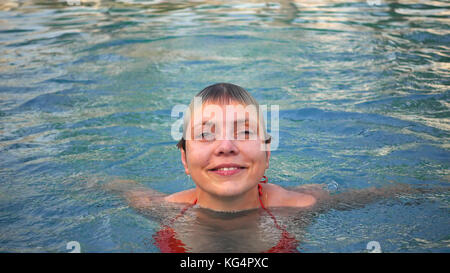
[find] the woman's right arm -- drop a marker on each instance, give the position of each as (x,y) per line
(137,196)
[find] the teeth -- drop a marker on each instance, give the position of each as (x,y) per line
(227,169)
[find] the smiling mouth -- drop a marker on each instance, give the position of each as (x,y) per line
(227,171)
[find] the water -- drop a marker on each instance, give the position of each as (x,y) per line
(86,93)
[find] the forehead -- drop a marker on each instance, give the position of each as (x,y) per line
(231,112)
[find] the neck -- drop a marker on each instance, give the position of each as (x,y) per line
(245,201)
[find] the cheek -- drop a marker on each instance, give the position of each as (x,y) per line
(197,159)
(254,153)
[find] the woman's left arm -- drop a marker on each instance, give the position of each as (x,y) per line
(318,191)
(360,197)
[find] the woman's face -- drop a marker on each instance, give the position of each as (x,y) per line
(224,155)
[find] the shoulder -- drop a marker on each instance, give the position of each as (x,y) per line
(186,196)
(277,196)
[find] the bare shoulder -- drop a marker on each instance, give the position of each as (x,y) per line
(186,196)
(277,196)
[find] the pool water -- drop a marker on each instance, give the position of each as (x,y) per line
(87,89)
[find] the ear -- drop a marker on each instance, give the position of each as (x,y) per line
(184,161)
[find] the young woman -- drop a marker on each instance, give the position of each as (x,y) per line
(225,150)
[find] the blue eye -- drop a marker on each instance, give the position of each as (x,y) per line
(246,134)
(207,136)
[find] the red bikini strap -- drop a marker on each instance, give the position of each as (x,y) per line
(182,212)
(260,190)
(265,179)
(268,211)
(262,205)
(259,197)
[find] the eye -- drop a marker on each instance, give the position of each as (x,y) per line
(246,134)
(207,136)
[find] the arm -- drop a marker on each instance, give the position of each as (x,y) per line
(359,198)
(137,196)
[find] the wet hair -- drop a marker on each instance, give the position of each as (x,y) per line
(222,93)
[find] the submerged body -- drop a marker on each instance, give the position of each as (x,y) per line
(188,227)
(273,226)
(166,238)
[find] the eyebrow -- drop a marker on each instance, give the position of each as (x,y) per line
(242,121)
(208,122)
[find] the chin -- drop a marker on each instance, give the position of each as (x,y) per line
(227,190)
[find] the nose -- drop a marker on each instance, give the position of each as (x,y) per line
(226,147)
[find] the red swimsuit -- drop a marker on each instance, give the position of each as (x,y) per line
(166,241)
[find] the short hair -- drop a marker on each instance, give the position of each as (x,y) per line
(222,93)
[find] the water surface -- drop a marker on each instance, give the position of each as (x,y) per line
(86,93)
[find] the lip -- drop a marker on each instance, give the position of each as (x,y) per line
(216,169)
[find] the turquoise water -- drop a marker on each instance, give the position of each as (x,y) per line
(86,93)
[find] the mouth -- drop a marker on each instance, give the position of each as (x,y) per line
(227,169)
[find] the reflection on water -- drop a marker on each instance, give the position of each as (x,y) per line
(86,93)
